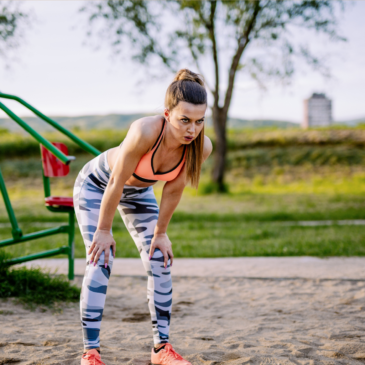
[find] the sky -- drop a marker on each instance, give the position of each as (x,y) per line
(58,74)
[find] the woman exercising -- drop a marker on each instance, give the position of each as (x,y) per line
(170,148)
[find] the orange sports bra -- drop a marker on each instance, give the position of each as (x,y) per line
(145,171)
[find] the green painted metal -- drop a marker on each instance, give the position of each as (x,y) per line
(71,245)
(16,231)
(61,156)
(35,235)
(57,251)
(86,146)
(70,228)
(46,186)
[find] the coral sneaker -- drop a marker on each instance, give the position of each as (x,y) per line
(92,357)
(167,356)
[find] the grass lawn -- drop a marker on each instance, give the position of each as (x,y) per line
(223,239)
(250,221)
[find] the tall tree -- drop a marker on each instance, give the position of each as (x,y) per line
(226,36)
(12,25)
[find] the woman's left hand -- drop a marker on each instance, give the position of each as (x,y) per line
(162,242)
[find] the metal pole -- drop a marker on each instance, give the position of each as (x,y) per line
(86,146)
(35,235)
(16,231)
(65,159)
(71,245)
(41,255)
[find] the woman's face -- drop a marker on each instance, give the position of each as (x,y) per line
(187,120)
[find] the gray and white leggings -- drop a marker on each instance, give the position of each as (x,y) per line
(139,210)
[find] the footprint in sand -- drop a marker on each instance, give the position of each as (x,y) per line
(137,317)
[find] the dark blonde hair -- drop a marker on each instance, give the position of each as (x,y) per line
(189,86)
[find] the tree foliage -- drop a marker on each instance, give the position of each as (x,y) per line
(13,22)
(221,39)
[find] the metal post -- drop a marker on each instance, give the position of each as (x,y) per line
(71,245)
(46,186)
(16,231)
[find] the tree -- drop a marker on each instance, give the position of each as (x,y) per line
(200,31)
(12,24)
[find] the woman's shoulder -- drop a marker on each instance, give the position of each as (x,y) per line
(148,126)
(147,129)
(208,147)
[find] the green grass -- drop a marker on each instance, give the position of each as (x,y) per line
(332,136)
(33,288)
(252,158)
(232,225)
(248,220)
(280,182)
(228,238)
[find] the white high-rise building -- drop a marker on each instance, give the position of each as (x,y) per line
(317,111)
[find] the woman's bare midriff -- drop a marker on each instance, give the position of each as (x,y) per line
(132,181)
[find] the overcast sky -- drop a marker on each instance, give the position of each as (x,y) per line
(59,75)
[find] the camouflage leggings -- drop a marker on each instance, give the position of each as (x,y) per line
(139,210)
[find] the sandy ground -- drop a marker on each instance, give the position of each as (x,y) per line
(231,311)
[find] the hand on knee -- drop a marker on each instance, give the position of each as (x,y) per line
(157,255)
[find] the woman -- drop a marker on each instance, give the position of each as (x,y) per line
(169,148)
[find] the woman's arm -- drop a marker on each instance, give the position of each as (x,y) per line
(137,142)
(171,195)
(134,146)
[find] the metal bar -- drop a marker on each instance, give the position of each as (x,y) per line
(86,146)
(46,186)
(35,235)
(65,159)
(16,231)
(57,251)
(71,245)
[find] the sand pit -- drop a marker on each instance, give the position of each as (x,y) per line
(215,320)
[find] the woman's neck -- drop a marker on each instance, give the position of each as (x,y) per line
(168,141)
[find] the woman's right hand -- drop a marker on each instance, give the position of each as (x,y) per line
(102,241)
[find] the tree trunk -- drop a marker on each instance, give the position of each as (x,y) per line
(219,118)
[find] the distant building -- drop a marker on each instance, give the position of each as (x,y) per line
(317,111)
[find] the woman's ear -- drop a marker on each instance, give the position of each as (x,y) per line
(166,114)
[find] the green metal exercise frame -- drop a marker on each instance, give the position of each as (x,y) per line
(70,228)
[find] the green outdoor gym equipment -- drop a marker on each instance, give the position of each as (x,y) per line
(51,152)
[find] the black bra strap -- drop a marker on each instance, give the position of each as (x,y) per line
(142,179)
(163,125)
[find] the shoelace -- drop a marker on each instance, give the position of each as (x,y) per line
(170,350)
(92,357)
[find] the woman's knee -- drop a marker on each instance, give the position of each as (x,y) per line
(101,260)
(158,256)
